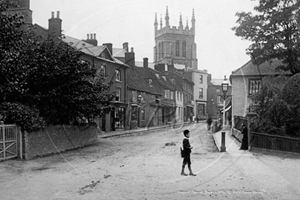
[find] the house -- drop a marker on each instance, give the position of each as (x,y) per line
(101,58)
(200,81)
(144,97)
(247,81)
(215,101)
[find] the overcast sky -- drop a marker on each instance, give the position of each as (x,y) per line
(117,21)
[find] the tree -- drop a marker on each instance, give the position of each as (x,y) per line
(45,82)
(274,32)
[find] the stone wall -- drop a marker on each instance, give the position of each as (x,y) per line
(56,139)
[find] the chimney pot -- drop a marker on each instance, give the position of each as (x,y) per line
(88,36)
(94,36)
(57,14)
(91,36)
(52,14)
(131,49)
(125,46)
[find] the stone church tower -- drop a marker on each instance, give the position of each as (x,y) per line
(175,45)
(23,8)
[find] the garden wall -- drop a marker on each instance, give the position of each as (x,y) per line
(56,139)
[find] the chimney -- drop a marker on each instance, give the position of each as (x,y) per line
(91,39)
(109,47)
(125,46)
(129,58)
(54,29)
(145,63)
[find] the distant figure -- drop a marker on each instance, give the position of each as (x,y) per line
(244,145)
(209,121)
(186,153)
(191,117)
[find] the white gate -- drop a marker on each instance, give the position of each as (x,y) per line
(8,142)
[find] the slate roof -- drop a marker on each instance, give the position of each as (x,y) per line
(218,82)
(89,49)
(138,80)
(266,68)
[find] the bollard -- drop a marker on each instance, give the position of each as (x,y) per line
(223,147)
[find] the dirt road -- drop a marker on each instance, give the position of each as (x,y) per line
(134,167)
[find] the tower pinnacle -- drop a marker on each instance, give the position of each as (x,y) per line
(180,21)
(160,22)
(167,18)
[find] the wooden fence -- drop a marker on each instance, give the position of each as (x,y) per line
(275,142)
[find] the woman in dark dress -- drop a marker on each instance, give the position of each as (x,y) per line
(244,145)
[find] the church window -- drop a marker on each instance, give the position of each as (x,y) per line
(162,49)
(177,48)
(184,49)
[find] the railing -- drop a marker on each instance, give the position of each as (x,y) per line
(275,142)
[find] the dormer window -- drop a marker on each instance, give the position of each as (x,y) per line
(157,75)
(164,77)
(150,81)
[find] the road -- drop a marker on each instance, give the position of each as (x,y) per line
(141,167)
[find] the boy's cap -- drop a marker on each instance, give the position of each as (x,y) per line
(186,131)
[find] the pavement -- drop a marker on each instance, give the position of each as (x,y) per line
(119,133)
(269,181)
(231,144)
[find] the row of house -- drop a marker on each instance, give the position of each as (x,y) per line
(171,89)
(146,94)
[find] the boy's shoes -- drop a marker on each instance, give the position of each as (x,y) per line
(192,174)
(183,174)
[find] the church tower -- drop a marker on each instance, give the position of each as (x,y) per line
(175,45)
(22,8)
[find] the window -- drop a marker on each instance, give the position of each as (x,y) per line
(162,49)
(177,48)
(171,95)
(254,86)
(150,81)
(143,115)
(219,100)
(102,70)
(118,75)
(218,90)
(173,81)
(177,96)
(201,79)
(200,93)
(118,94)
(167,94)
(134,96)
(184,49)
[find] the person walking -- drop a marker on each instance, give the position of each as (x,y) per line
(209,121)
(187,149)
(244,145)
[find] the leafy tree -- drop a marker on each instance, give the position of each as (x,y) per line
(272,110)
(44,81)
(273,30)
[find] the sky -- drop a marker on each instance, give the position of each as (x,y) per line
(219,51)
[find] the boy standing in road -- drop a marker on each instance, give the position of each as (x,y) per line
(186,153)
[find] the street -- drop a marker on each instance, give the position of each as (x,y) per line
(148,167)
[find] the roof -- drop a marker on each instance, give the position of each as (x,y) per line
(89,49)
(83,46)
(266,68)
(137,80)
(119,52)
(218,82)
